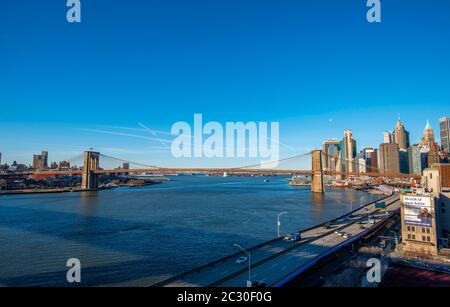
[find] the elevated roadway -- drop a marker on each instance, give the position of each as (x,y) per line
(277,261)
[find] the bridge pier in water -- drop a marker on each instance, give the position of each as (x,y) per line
(89,179)
(317,172)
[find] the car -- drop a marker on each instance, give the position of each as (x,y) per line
(346,235)
(336,232)
(327,226)
(241,260)
(371,221)
(293,237)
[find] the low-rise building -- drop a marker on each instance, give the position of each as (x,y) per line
(425,217)
(419,224)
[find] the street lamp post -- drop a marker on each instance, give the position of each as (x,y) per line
(247,252)
(361,200)
(396,240)
(279,223)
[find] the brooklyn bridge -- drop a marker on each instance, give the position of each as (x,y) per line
(91,170)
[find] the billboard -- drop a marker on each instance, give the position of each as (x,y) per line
(417,211)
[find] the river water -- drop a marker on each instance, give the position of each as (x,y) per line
(138,236)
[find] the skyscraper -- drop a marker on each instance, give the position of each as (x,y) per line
(415,162)
(401,136)
(429,145)
(387,137)
(444,125)
(348,152)
(404,161)
(389,158)
(331,149)
(371,156)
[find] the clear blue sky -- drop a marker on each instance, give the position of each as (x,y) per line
(317,67)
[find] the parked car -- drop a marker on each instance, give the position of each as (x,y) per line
(241,260)
(327,226)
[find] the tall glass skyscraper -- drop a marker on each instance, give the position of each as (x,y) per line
(348,152)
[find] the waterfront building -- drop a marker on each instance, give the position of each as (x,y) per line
(404,161)
(400,135)
(64,165)
(444,125)
(428,144)
(415,162)
(40,162)
(348,152)
(389,158)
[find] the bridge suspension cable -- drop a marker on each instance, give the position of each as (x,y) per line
(130,162)
(276,161)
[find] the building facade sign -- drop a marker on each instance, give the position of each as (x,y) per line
(417,211)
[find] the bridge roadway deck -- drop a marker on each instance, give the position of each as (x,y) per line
(274,260)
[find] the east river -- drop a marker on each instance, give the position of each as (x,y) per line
(138,236)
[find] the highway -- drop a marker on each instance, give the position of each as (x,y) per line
(273,262)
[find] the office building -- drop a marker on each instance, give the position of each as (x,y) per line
(387,137)
(40,162)
(348,152)
(419,227)
(389,158)
(415,162)
(400,135)
(429,145)
(331,150)
(444,173)
(371,156)
(444,126)
(404,161)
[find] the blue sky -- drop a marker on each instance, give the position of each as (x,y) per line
(317,67)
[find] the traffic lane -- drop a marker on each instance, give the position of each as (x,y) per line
(207,276)
(275,269)
(228,267)
(285,264)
